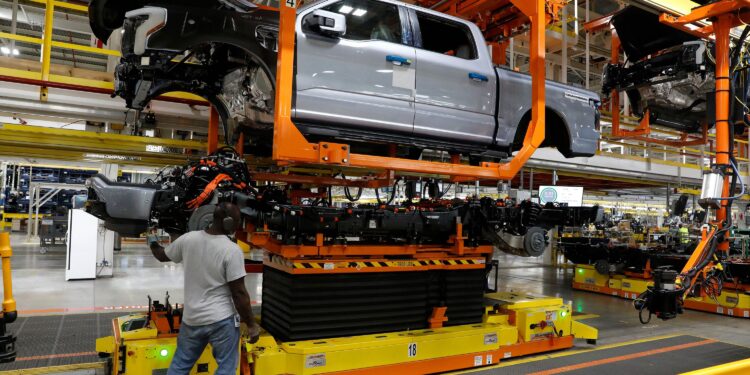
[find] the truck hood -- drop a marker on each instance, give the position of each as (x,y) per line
(642,34)
(105,16)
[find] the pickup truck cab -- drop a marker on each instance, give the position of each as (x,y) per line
(368,72)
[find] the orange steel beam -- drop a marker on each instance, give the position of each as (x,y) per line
(739,9)
(263,240)
(599,24)
(240,145)
(644,128)
(497,18)
(707,12)
(682,142)
(213,130)
(321,180)
(290,146)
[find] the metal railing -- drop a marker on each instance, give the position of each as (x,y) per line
(692,157)
(44,77)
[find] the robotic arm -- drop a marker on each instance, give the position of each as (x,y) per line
(666,297)
(705,265)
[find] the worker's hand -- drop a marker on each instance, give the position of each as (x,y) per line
(254,332)
(152,238)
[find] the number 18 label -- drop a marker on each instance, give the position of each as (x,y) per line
(412,350)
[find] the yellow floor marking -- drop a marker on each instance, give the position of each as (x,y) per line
(585,316)
(566,353)
(54,369)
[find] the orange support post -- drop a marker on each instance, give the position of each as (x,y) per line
(438,317)
(644,127)
(290,145)
(499,50)
(722,27)
(240,146)
(535,10)
(213,130)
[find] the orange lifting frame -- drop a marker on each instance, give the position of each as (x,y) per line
(643,129)
(291,147)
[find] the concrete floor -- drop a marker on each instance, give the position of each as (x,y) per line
(40,288)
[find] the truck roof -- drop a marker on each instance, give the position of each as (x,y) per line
(400,3)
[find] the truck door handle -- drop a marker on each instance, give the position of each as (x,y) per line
(398,60)
(478,77)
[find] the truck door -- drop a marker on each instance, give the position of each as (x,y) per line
(456,82)
(362,79)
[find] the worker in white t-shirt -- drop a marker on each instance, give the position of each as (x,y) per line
(215,295)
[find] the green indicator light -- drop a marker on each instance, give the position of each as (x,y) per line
(580,270)
(164,352)
(563,313)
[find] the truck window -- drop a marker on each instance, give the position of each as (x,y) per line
(446,37)
(370,20)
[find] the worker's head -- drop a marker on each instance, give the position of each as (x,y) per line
(226,218)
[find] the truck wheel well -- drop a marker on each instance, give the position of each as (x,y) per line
(241,52)
(556,132)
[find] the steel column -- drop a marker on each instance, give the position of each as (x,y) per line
(49,16)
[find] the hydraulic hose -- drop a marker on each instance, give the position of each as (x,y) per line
(392,197)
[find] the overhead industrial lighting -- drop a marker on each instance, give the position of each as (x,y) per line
(359,13)
(345,9)
(7,51)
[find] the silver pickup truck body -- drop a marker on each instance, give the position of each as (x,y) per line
(369,71)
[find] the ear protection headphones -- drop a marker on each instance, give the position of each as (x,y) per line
(228,225)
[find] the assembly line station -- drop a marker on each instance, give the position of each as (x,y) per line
(421,186)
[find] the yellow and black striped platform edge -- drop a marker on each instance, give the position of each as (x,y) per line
(384,264)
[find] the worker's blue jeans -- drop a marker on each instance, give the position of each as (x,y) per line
(224,339)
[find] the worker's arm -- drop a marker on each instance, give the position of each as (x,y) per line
(156,249)
(241,299)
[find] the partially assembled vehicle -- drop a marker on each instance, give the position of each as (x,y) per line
(183,199)
(368,72)
(668,74)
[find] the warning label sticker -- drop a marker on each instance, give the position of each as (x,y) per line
(315,360)
(490,338)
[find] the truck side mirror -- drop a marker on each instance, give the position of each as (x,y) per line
(327,23)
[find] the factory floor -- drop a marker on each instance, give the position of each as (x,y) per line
(40,289)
